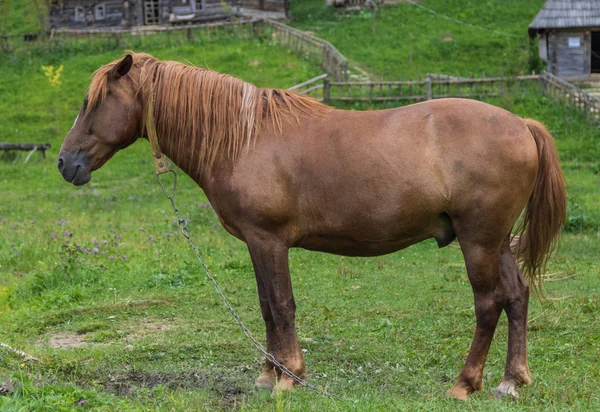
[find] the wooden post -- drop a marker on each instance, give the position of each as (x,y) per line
(429,91)
(190,35)
(326,90)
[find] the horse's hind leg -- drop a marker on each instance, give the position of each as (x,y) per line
(515,286)
(482,261)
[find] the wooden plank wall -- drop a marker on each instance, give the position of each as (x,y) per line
(566,60)
(267,5)
(64,16)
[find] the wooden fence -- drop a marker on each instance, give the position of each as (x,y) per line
(314,87)
(561,90)
(324,89)
(332,61)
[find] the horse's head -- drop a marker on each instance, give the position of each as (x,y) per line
(109,120)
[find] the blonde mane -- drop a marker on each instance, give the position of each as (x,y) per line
(201,114)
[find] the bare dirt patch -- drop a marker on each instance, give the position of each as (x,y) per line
(148,327)
(65,341)
(230,391)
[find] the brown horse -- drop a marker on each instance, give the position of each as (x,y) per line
(282,170)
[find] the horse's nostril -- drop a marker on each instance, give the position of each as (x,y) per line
(61,164)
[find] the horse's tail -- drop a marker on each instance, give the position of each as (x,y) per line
(546,209)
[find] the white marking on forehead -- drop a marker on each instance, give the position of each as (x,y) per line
(74,122)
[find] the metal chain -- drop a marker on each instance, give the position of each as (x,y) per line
(182,223)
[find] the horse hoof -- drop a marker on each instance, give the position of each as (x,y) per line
(284,384)
(265,382)
(506,389)
(458,392)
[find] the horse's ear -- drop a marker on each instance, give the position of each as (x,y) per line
(122,68)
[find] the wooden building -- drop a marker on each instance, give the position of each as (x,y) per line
(266,5)
(81,14)
(569,36)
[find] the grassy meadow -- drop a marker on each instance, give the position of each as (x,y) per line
(409,42)
(98,283)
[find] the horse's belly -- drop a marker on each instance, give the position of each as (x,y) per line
(357,234)
(352,247)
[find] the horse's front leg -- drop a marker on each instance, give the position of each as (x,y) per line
(270,260)
(268,378)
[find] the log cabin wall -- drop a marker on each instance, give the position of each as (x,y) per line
(568,51)
(79,14)
(266,5)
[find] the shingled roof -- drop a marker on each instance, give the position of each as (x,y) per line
(562,14)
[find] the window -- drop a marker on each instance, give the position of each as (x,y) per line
(198,4)
(79,14)
(100,12)
(574,42)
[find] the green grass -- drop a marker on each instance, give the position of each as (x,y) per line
(149,333)
(20,16)
(410,41)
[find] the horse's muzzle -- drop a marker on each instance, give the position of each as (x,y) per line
(74,169)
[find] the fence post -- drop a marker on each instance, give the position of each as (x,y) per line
(190,35)
(429,91)
(326,90)
(345,71)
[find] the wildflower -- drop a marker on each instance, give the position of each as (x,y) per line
(95,251)
(61,222)
(11,244)
(53,74)
(52,236)
(82,402)
(87,249)
(117,243)
(68,234)
(111,257)
(141,229)
(95,241)
(105,242)
(117,236)
(81,248)
(124,257)
(3,220)
(112,230)
(151,238)
(168,235)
